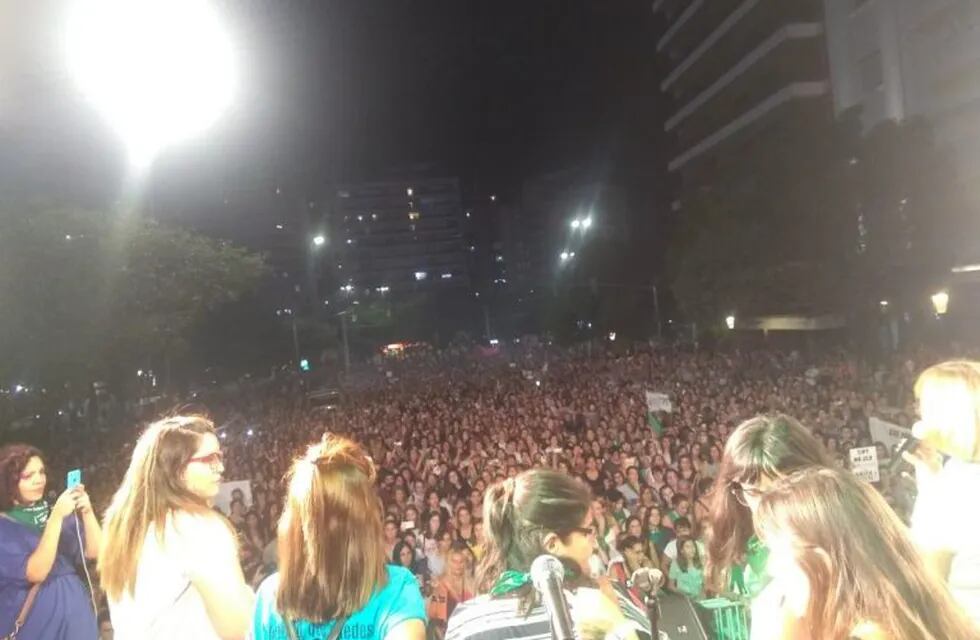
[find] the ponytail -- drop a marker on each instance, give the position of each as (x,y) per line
(518,513)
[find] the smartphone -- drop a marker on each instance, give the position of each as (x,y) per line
(407,525)
(74,479)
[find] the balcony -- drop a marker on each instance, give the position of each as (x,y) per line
(796,61)
(772,104)
(692,25)
(734,37)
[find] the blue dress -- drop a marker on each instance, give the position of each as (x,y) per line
(398,601)
(62,609)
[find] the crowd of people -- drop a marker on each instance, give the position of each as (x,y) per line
(444,430)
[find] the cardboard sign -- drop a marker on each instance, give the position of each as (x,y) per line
(658,402)
(887,433)
(864,463)
(223,499)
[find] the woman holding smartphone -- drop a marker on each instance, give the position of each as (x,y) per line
(39,549)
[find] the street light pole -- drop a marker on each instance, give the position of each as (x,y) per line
(295,340)
(656,310)
(343,333)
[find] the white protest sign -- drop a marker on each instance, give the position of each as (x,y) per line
(864,463)
(223,499)
(887,433)
(658,402)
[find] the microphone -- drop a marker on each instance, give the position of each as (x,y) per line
(907,444)
(646,580)
(547,576)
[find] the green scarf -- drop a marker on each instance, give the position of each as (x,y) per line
(33,515)
(509,581)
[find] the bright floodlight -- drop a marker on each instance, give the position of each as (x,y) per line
(940,302)
(319,240)
(575,223)
(587,222)
(730,322)
(160,72)
(564,255)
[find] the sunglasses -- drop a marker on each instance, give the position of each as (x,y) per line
(585,531)
(212,459)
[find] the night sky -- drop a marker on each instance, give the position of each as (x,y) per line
(493,92)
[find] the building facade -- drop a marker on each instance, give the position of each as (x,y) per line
(733,69)
(900,59)
(397,236)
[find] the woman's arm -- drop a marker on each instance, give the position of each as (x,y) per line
(39,563)
(93,532)
(213,569)
(409,630)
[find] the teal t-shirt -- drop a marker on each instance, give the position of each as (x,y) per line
(690,582)
(398,601)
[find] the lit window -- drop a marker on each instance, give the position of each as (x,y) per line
(447,276)
(413,215)
(421,275)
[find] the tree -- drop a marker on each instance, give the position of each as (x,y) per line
(88,294)
(816,232)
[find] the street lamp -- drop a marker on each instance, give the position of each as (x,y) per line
(940,302)
(160,72)
(319,240)
(730,323)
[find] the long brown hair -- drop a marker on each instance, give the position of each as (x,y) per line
(152,489)
(331,547)
(764,446)
(858,558)
(519,512)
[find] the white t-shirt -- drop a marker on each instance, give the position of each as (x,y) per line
(165,605)
(671,549)
(945,519)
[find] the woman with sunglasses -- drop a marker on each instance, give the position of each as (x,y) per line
(758,453)
(169,562)
(541,512)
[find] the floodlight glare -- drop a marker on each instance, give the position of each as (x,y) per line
(159,72)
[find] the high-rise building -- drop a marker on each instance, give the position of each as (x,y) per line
(397,236)
(900,59)
(733,70)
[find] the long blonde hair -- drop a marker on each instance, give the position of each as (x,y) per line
(152,489)
(954,386)
(858,558)
(331,553)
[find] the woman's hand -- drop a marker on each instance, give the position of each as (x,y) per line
(926,459)
(65,505)
(594,613)
(82,501)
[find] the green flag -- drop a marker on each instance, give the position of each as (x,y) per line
(655,424)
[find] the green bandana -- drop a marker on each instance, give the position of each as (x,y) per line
(513,580)
(509,581)
(34,515)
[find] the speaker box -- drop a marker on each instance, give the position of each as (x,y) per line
(681,619)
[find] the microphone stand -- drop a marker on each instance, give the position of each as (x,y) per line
(653,612)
